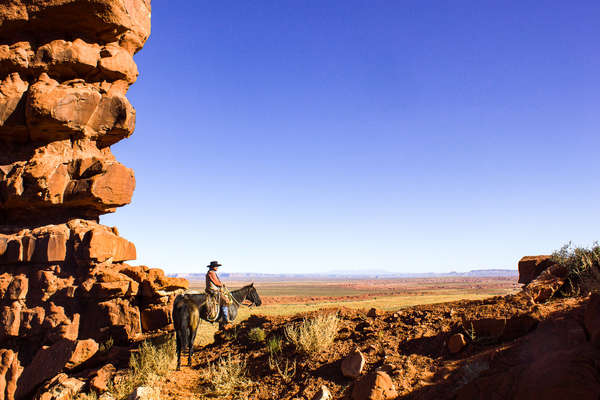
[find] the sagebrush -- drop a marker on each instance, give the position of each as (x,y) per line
(313,335)
(226,377)
(257,335)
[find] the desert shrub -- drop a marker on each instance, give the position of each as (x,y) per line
(583,265)
(151,362)
(257,335)
(284,368)
(313,335)
(274,345)
(476,337)
(226,376)
(471,334)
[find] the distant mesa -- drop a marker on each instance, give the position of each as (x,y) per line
(243,276)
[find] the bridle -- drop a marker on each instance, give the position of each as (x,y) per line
(237,302)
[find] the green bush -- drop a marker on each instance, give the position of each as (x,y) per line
(583,265)
(257,335)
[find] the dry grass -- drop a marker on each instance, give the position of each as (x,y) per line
(151,362)
(313,335)
(226,377)
(286,370)
(274,345)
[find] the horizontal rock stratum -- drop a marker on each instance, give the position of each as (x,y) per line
(65,291)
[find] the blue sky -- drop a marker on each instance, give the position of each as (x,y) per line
(409,136)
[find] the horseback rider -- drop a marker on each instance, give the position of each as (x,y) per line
(216,289)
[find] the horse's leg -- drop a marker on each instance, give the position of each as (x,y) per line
(191,345)
(233,309)
(178,341)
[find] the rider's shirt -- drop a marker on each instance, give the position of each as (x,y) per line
(213,283)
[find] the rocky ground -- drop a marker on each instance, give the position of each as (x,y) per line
(523,346)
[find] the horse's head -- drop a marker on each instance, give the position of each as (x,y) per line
(253,296)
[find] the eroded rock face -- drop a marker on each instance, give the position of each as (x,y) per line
(126,23)
(68,303)
(65,67)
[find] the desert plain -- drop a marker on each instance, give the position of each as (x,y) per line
(293,296)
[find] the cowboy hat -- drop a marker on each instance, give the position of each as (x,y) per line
(213,264)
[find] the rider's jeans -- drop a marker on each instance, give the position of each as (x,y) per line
(225,313)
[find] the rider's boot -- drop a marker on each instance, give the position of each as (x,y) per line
(224,323)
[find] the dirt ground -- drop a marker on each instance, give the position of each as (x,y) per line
(410,344)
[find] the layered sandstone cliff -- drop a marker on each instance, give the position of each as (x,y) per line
(65,67)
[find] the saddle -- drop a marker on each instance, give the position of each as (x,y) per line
(214,301)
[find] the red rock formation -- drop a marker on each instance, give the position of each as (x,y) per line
(542,277)
(531,266)
(65,67)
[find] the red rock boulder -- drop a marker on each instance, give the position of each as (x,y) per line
(155,317)
(375,386)
(101,379)
(531,266)
(456,343)
(543,287)
(353,365)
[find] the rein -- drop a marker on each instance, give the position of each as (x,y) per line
(235,300)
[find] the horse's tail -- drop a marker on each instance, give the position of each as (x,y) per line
(185,321)
(180,318)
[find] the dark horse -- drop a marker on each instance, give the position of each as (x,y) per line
(188,309)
